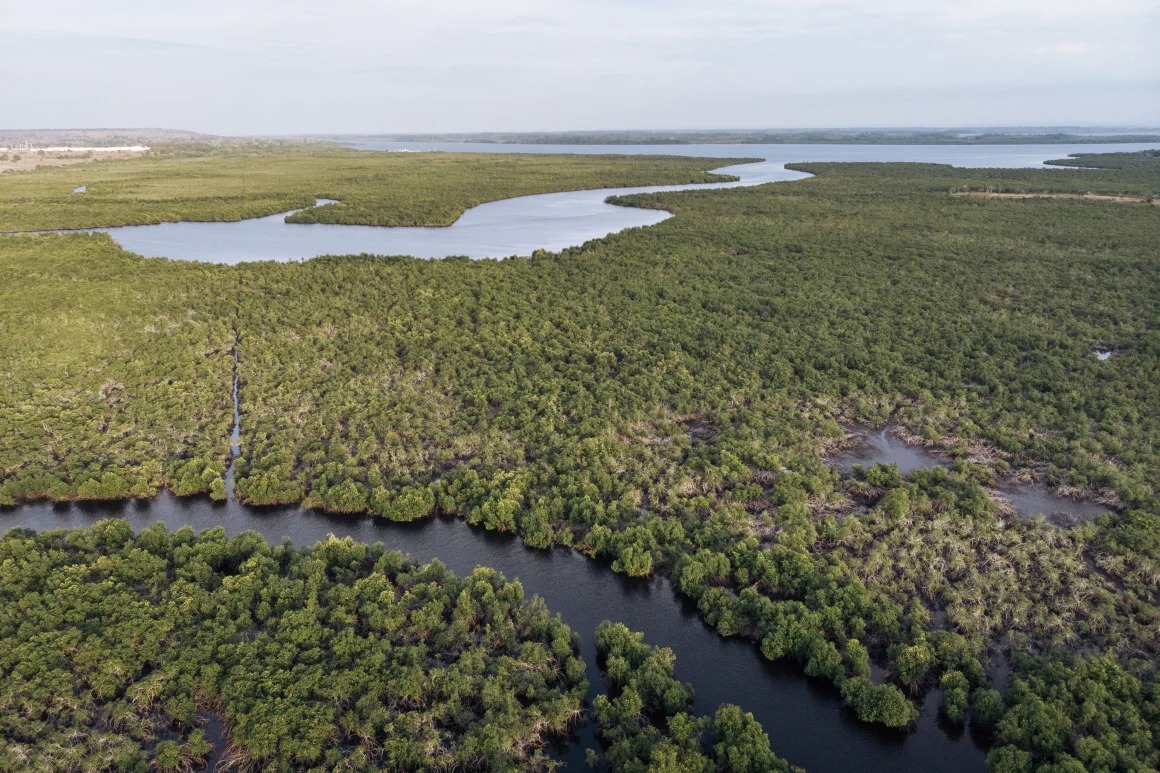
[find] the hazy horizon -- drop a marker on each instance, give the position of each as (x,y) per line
(1142,127)
(1092,129)
(264,68)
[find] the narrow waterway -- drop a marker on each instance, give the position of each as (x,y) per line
(236,429)
(805,719)
(497,229)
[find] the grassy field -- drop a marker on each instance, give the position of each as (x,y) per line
(666,397)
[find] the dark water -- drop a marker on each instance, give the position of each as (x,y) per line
(214,730)
(805,720)
(882,446)
(550,221)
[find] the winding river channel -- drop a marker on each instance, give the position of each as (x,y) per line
(550,221)
(805,719)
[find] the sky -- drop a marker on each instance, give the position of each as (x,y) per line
(366,66)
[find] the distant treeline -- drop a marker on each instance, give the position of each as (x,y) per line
(100,137)
(758,137)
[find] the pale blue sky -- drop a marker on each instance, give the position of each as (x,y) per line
(298,66)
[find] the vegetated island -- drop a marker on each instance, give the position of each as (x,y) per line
(666,397)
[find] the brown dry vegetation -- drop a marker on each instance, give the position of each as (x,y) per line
(25,160)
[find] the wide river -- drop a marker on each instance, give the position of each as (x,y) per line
(550,221)
(805,719)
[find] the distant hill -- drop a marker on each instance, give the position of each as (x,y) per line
(99,137)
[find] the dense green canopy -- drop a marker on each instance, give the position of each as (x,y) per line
(118,652)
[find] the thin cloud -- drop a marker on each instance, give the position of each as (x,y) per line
(1064,49)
